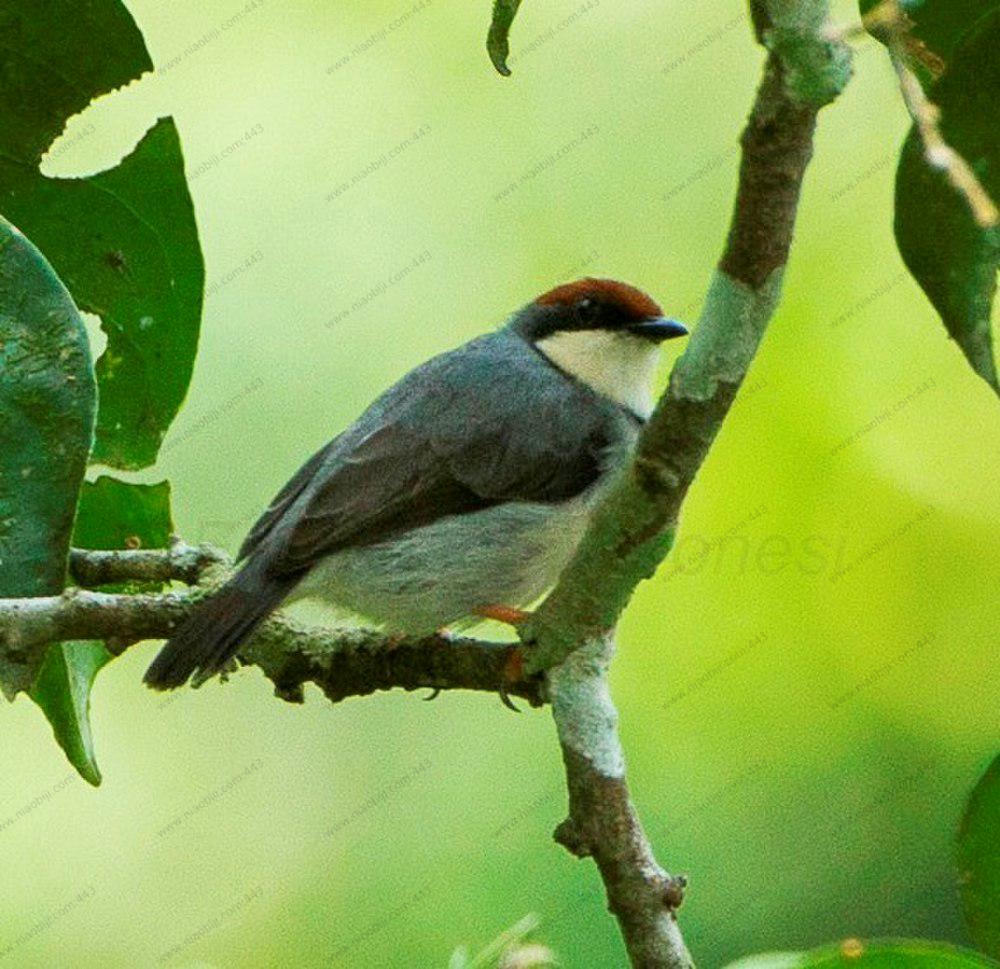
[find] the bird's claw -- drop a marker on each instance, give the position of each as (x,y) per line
(506,700)
(513,672)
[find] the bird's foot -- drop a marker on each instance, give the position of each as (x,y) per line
(512,672)
(513,667)
(393,641)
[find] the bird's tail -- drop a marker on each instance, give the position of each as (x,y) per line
(211,635)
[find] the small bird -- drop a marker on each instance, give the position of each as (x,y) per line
(461,492)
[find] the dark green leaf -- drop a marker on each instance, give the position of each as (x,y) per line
(885,954)
(124,241)
(116,514)
(939,24)
(111,514)
(62,690)
(47,396)
(953,259)
(979,861)
(56,57)
(497,43)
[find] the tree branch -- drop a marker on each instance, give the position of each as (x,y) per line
(602,822)
(180,562)
(937,152)
(341,662)
(633,529)
(891,24)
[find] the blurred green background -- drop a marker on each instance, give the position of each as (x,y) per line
(808,688)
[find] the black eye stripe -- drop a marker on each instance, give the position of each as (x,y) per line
(588,311)
(585,312)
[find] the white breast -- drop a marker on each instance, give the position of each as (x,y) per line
(618,365)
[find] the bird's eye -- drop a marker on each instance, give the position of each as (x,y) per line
(587,308)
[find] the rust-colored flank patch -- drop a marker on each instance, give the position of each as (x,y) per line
(633,302)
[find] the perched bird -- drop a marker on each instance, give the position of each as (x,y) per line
(462,491)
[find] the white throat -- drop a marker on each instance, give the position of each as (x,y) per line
(618,365)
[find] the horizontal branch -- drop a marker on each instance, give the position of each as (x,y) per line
(341,662)
(180,562)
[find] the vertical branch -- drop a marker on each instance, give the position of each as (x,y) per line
(776,148)
(569,636)
(633,529)
(602,823)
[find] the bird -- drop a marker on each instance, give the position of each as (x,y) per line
(462,491)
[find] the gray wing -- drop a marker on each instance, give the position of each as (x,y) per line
(455,435)
(284,500)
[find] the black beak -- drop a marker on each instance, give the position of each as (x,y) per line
(658,329)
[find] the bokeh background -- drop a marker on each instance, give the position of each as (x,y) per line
(809,686)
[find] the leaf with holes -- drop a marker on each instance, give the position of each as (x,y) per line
(951,256)
(979,861)
(48,398)
(124,241)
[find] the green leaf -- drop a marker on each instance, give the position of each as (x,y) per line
(116,514)
(954,260)
(938,24)
(124,241)
(497,43)
(62,690)
(882,954)
(979,861)
(111,514)
(48,397)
